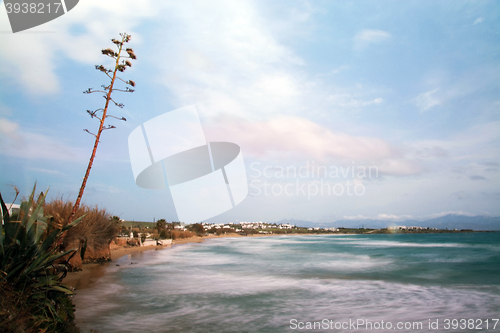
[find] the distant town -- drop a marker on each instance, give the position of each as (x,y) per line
(270,228)
(251,228)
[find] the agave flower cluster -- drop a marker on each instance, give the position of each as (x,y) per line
(121,64)
(122,57)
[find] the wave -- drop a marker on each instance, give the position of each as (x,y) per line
(260,284)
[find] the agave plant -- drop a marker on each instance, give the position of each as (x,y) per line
(30,274)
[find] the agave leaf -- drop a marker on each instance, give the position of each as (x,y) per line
(11,229)
(38,211)
(62,289)
(32,233)
(84,249)
(5,219)
(36,264)
(24,211)
(14,233)
(49,241)
(46,281)
(45,261)
(54,257)
(74,223)
(13,271)
(36,226)
(51,308)
(67,287)
(32,196)
(31,222)
(71,256)
(40,229)
(39,258)
(38,296)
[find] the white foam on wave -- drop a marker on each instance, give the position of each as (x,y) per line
(372,243)
(348,262)
(366,242)
(222,298)
(210,286)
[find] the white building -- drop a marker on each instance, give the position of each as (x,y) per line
(13,208)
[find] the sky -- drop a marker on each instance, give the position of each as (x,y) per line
(342,109)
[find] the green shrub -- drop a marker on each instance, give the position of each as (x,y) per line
(163,234)
(32,296)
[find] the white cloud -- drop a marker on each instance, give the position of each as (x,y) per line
(464,153)
(9,129)
(478,20)
(47,171)
(446,89)
(399,167)
(30,62)
(227,59)
(393,217)
(356,217)
(366,37)
(459,212)
(427,100)
(341,69)
(31,57)
(352,101)
(299,138)
(478,143)
(239,67)
(31,145)
(383,217)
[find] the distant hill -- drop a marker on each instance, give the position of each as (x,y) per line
(450,221)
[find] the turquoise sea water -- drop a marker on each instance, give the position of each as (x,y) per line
(348,283)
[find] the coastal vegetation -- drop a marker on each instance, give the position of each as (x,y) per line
(41,242)
(91,237)
(162,229)
(32,295)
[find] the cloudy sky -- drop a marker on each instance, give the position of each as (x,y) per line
(409,90)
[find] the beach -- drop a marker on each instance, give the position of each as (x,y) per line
(92,272)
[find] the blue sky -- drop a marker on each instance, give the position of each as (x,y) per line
(408,88)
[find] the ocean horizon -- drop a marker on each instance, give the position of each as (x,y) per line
(353,283)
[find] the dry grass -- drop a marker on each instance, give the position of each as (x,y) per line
(177,234)
(14,313)
(96,230)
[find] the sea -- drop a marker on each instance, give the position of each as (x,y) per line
(443,282)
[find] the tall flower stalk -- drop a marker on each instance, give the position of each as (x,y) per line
(101,114)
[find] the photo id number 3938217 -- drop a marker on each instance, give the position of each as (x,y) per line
(478,324)
(33,7)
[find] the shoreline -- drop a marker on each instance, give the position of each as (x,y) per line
(92,272)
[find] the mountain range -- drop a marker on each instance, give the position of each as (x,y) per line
(450,221)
